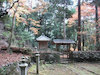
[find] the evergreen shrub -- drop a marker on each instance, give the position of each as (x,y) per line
(85,55)
(10,69)
(47,57)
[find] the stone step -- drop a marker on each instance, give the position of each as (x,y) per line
(65,61)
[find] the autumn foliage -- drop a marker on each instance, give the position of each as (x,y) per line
(22,7)
(86,10)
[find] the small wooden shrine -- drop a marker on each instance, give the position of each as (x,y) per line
(67,42)
(43,41)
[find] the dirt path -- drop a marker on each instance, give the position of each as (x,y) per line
(67,69)
(93,68)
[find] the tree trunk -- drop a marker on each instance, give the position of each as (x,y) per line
(64,28)
(12,29)
(12,32)
(83,36)
(97,28)
(79,26)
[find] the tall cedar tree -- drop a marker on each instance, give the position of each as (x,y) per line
(79,25)
(97,26)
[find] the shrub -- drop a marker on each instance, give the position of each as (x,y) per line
(9,70)
(85,56)
(47,57)
(27,51)
(51,57)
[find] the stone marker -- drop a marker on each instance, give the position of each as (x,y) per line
(37,63)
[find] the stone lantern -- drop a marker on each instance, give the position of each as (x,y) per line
(23,66)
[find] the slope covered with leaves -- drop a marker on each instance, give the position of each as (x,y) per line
(6,58)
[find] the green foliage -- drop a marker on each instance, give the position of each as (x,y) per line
(51,58)
(7,26)
(23,35)
(51,23)
(9,70)
(53,19)
(6,34)
(3,71)
(61,1)
(72,32)
(4,18)
(73,10)
(27,51)
(2,1)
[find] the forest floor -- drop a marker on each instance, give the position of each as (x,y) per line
(67,69)
(7,58)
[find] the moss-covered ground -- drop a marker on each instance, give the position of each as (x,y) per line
(67,69)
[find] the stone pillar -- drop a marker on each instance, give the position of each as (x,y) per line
(23,67)
(37,63)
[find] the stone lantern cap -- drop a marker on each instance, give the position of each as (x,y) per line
(43,38)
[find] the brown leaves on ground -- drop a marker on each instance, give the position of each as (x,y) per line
(6,58)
